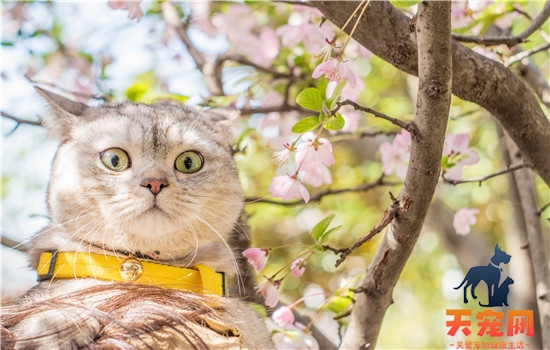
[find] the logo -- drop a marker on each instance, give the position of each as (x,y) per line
(489,323)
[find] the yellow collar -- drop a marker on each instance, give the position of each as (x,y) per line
(199,279)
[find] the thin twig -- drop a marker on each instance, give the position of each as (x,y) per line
(264,110)
(6,242)
(465,114)
(208,70)
(407,126)
(298,3)
(360,135)
(19,121)
(489,40)
(389,214)
(362,188)
(221,59)
(481,179)
(524,54)
(509,40)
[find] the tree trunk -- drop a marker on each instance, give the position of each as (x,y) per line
(433,30)
(387,32)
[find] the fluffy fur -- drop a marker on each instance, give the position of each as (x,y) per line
(96,209)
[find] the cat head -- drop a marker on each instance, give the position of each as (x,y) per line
(139,177)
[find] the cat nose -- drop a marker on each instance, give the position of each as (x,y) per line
(155,185)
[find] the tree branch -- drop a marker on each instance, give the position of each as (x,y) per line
(316,198)
(483,178)
(19,121)
(407,126)
(221,59)
(433,31)
(6,242)
(396,208)
(533,235)
(489,40)
(281,108)
(207,68)
(340,137)
(532,75)
(524,54)
(509,40)
(487,83)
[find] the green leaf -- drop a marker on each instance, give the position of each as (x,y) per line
(338,304)
(306,124)
(403,4)
(324,237)
(310,99)
(335,123)
(137,90)
(260,309)
(444,162)
(336,94)
(321,227)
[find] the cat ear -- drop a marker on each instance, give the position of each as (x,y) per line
(227,121)
(63,114)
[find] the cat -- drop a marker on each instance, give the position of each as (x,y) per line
(500,297)
(490,274)
(153,188)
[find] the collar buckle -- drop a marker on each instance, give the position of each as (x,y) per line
(50,274)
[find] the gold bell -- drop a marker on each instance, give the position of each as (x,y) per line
(131,269)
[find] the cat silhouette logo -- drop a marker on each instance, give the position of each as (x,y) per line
(490,274)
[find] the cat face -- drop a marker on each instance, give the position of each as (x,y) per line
(143,177)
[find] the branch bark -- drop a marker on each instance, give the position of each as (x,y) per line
(433,30)
(207,68)
(533,237)
(386,32)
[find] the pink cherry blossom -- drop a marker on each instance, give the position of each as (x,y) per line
(314,153)
(201,17)
(352,118)
(132,6)
(456,148)
(276,128)
(316,176)
(283,316)
(395,155)
(351,92)
(298,267)
(308,10)
(287,187)
(313,158)
(311,35)
(461,15)
(336,70)
(256,42)
(281,157)
(269,290)
(464,219)
(294,337)
(256,257)
(272,99)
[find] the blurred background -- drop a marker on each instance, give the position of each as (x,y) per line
(95,53)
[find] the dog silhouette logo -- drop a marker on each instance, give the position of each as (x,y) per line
(490,274)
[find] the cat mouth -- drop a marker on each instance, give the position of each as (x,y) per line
(156,210)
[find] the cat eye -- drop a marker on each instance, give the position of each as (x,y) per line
(189,162)
(115,159)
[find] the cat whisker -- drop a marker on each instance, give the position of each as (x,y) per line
(240,281)
(237,226)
